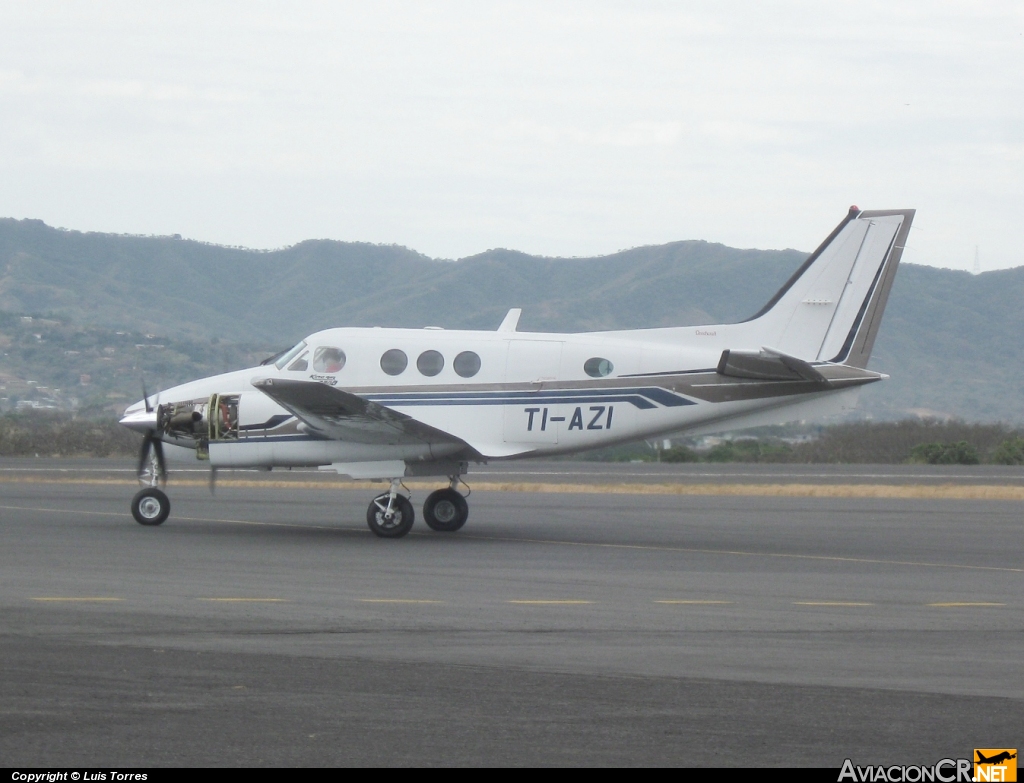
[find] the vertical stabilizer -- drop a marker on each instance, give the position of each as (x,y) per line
(831,308)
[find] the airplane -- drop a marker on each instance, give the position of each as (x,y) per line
(386,403)
(996,759)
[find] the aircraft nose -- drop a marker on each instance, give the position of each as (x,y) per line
(140,420)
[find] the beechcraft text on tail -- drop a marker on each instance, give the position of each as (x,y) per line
(379,403)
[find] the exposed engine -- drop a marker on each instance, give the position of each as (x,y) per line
(194,424)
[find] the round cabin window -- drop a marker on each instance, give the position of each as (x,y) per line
(430,363)
(394,362)
(467,364)
(597,367)
(329,360)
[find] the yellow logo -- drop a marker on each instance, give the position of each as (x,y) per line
(995,764)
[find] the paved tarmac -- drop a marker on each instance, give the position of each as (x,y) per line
(266,625)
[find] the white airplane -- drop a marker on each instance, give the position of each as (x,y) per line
(374,403)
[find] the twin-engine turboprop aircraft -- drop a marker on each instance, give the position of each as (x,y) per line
(390,403)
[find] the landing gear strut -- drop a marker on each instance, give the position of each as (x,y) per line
(446,510)
(390,515)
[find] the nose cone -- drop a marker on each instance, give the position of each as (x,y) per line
(139,419)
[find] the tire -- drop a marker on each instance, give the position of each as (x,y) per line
(150,507)
(445,511)
(401,520)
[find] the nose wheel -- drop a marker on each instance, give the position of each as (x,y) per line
(150,506)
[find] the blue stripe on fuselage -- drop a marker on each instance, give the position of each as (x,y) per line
(643,398)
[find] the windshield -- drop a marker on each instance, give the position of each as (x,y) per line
(280,363)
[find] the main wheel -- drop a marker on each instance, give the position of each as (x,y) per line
(150,506)
(445,511)
(402,516)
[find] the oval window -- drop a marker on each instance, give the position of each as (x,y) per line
(430,363)
(597,367)
(467,364)
(394,362)
(326,359)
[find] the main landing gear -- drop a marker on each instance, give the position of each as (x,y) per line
(391,515)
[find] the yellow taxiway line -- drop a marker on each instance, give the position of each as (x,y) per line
(247,600)
(398,601)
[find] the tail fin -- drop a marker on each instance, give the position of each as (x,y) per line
(831,308)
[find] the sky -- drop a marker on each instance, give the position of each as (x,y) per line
(554,128)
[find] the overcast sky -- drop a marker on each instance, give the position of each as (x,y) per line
(556,128)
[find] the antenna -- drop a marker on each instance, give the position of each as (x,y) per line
(977,261)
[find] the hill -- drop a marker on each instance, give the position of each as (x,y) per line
(948,340)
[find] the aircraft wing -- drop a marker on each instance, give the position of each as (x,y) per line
(340,415)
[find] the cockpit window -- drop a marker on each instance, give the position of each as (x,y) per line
(301,364)
(289,355)
(327,359)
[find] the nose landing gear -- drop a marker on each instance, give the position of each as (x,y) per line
(151,506)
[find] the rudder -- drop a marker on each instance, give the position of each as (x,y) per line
(831,308)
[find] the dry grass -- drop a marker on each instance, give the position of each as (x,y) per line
(907,491)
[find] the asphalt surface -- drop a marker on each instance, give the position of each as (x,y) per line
(267,626)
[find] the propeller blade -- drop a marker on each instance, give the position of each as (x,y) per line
(213,480)
(145,397)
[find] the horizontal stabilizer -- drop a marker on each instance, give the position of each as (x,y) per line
(767,365)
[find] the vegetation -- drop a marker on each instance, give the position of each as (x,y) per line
(53,434)
(959,453)
(949,339)
(1009,452)
(60,435)
(52,364)
(898,442)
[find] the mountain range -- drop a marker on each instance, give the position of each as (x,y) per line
(950,340)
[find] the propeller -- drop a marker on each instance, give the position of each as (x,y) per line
(152,443)
(213,480)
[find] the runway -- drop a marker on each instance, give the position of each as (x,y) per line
(266,625)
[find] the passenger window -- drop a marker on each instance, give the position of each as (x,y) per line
(467,364)
(597,367)
(300,364)
(430,363)
(394,362)
(326,359)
